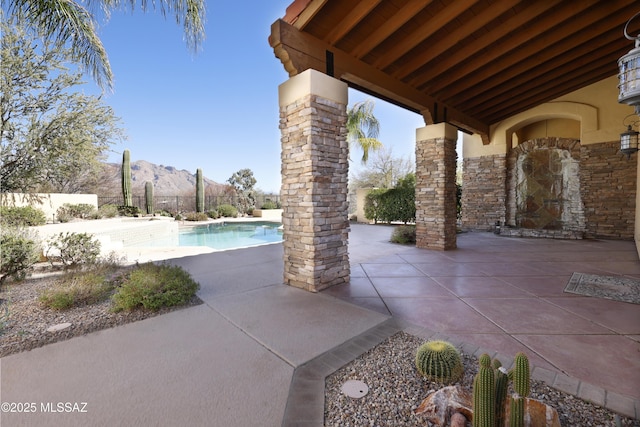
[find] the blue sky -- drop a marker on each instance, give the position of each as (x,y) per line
(216,109)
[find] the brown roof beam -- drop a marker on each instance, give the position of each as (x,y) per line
(446,15)
(399,18)
(352,19)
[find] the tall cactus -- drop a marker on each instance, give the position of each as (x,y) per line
(484,394)
(522,386)
(126,179)
(199,191)
(148,197)
(502,384)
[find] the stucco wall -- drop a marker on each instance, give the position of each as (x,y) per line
(48,203)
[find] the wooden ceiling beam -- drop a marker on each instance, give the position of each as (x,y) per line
(451,39)
(522,46)
(299,51)
(516,77)
(446,15)
(380,34)
(310,9)
(352,19)
(461,58)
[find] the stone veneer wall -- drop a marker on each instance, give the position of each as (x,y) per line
(436,194)
(608,190)
(483,192)
(314,193)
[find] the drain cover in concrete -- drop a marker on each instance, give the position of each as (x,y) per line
(355,389)
(58,327)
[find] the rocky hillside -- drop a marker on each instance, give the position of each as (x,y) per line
(167,180)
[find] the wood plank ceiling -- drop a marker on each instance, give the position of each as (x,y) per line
(472,63)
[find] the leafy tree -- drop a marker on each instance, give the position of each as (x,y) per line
(382,171)
(49,133)
(68,21)
(363,128)
(243,182)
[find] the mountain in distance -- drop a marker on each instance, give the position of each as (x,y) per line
(167,180)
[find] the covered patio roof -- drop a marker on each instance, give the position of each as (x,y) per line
(471,63)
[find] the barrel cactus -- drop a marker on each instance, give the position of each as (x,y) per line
(148,197)
(126,179)
(484,394)
(439,361)
(199,191)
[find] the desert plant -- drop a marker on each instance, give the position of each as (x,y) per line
(129,210)
(196,216)
(68,211)
(126,179)
(484,394)
(19,251)
(148,197)
(78,289)
(199,191)
(502,385)
(213,214)
(108,211)
(73,249)
(521,386)
(269,204)
(228,211)
(439,361)
(154,286)
(21,216)
(404,234)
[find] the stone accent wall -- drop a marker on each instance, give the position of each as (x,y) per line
(483,192)
(436,194)
(314,193)
(608,190)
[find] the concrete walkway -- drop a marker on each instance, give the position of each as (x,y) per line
(256,352)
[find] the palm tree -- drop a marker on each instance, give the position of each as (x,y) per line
(69,21)
(363,128)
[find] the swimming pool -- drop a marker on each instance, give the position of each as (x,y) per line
(230,235)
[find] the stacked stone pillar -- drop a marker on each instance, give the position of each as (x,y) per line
(436,187)
(315,169)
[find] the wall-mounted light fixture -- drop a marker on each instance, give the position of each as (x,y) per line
(629,76)
(629,139)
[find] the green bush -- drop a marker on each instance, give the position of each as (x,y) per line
(228,211)
(78,289)
(155,286)
(404,234)
(80,210)
(108,211)
(22,216)
(129,210)
(393,204)
(269,204)
(19,251)
(196,216)
(73,249)
(213,214)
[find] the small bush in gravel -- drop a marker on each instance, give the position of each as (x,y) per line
(155,286)
(78,289)
(68,211)
(404,234)
(19,251)
(227,211)
(196,216)
(73,249)
(108,211)
(23,216)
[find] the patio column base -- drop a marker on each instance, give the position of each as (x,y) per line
(436,186)
(315,170)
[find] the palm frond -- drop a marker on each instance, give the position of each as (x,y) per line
(363,128)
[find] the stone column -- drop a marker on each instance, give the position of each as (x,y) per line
(436,186)
(315,169)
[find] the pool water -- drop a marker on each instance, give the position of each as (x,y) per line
(229,235)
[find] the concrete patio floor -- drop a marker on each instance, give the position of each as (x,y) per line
(256,352)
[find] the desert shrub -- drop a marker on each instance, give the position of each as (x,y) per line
(177,217)
(228,211)
(196,216)
(269,204)
(73,249)
(108,211)
(404,234)
(129,210)
(19,251)
(21,216)
(78,289)
(80,210)
(213,214)
(153,286)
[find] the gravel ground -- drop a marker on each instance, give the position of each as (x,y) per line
(24,322)
(396,389)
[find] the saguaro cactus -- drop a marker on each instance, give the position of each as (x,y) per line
(126,178)
(484,394)
(199,191)
(502,384)
(148,197)
(522,386)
